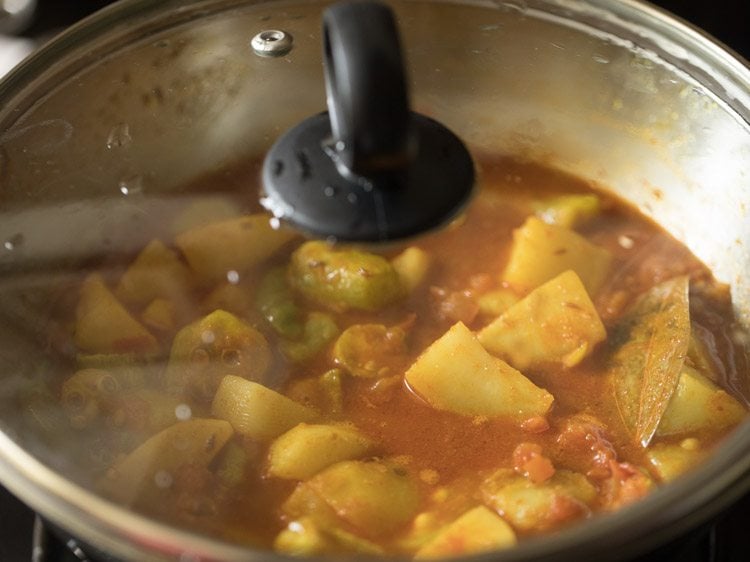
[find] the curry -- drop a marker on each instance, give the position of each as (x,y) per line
(549,356)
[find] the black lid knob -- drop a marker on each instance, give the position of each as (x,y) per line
(369,169)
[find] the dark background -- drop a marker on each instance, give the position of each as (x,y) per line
(728,21)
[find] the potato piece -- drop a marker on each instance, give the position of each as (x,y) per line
(371,350)
(542,251)
(672,460)
(147,410)
(457,374)
(412,266)
(144,475)
(306,449)
(303,537)
(204,209)
(208,349)
(477,530)
(554,324)
(344,279)
(160,315)
(494,303)
(570,210)
(533,507)
(157,273)
(699,404)
(104,326)
(213,250)
(256,411)
(374,497)
(232,297)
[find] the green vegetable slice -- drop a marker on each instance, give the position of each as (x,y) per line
(652,341)
(275,301)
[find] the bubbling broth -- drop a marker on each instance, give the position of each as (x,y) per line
(549,356)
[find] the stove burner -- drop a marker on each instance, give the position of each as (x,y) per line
(48,547)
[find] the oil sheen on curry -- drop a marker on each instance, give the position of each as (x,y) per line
(548,357)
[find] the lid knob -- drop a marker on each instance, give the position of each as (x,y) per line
(369,169)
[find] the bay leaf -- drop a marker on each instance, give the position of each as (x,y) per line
(651,343)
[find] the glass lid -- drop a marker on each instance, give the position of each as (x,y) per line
(560,370)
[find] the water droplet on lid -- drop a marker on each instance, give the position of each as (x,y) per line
(131,186)
(275,223)
(329,191)
(600,59)
(233,276)
(625,242)
(13,242)
(163,479)
(295,527)
(208,337)
(352,198)
(183,412)
(119,136)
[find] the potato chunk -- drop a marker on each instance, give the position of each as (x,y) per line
(344,279)
(542,251)
(531,507)
(412,266)
(493,303)
(569,210)
(672,460)
(699,404)
(304,537)
(373,497)
(477,530)
(144,475)
(104,326)
(160,316)
(306,449)
(457,374)
(239,244)
(256,411)
(157,272)
(554,324)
